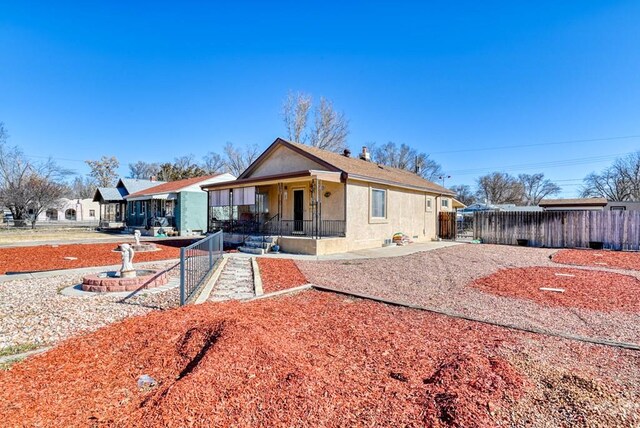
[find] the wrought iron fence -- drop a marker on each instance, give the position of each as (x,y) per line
(196,264)
(309,228)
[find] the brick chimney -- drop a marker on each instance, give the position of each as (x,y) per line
(365,154)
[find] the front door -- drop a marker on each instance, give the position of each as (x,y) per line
(298,210)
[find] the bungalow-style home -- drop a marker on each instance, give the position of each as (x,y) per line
(113,206)
(319,202)
(179,206)
(71,210)
(587,204)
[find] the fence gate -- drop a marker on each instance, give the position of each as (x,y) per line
(464,229)
(447,225)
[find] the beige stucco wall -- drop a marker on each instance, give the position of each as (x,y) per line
(407,212)
(284,160)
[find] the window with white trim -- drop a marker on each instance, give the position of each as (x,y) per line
(445,203)
(378,203)
(428,204)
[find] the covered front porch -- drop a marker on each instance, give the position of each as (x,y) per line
(311,204)
(151,212)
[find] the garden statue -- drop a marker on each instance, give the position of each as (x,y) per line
(136,236)
(127,270)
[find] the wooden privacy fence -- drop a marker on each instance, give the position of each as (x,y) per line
(616,230)
(447,225)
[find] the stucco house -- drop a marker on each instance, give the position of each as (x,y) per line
(320,202)
(71,210)
(113,207)
(179,205)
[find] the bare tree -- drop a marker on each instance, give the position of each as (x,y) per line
(405,157)
(464,194)
(238,159)
(27,188)
(619,182)
(329,129)
(104,171)
(44,192)
(535,188)
(144,170)
(295,113)
(82,188)
(213,163)
(499,188)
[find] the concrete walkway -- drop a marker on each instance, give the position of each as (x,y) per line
(235,281)
(372,253)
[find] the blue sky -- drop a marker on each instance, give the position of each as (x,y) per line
(152,81)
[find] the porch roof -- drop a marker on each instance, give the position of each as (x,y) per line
(277,178)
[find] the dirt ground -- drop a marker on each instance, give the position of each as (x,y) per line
(319,360)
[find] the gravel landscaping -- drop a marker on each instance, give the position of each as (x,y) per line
(319,359)
(279,274)
(71,256)
(32,311)
(611,259)
(441,279)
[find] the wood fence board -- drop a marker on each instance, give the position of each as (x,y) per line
(617,230)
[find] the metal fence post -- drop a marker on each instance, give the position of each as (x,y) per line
(211,251)
(182,283)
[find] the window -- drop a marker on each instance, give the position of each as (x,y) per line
(428,206)
(92,213)
(445,203)
(70,214)
(378,203)
(132,207)
(618,208)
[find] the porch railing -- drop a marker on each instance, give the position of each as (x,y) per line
(196,264)
(310,228)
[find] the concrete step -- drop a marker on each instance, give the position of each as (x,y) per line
(250,250)
(267,239)
(253,244)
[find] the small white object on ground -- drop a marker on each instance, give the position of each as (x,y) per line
(564,274)
(146,381)
(556,290)
(70,258)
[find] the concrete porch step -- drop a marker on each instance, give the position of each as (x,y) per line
(251,250)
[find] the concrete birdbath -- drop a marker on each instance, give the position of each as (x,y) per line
(127,279)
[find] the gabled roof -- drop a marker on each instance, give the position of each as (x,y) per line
(353,167)
(173,186)
(110,194)
(133,185)
(577,202)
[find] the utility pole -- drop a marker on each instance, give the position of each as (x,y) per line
(442,177)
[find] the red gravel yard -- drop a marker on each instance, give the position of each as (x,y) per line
(578,288)
(52,257)
(599,258)
(279,274)
(318,360)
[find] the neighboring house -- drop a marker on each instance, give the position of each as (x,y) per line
(177,205)
(499,207)
(301,193)
(70,210)
(113,207)
(589,204)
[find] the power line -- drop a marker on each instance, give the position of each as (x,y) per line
(550,164)
(536,144)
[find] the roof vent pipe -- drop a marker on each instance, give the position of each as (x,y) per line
(365,154)
(346,153)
